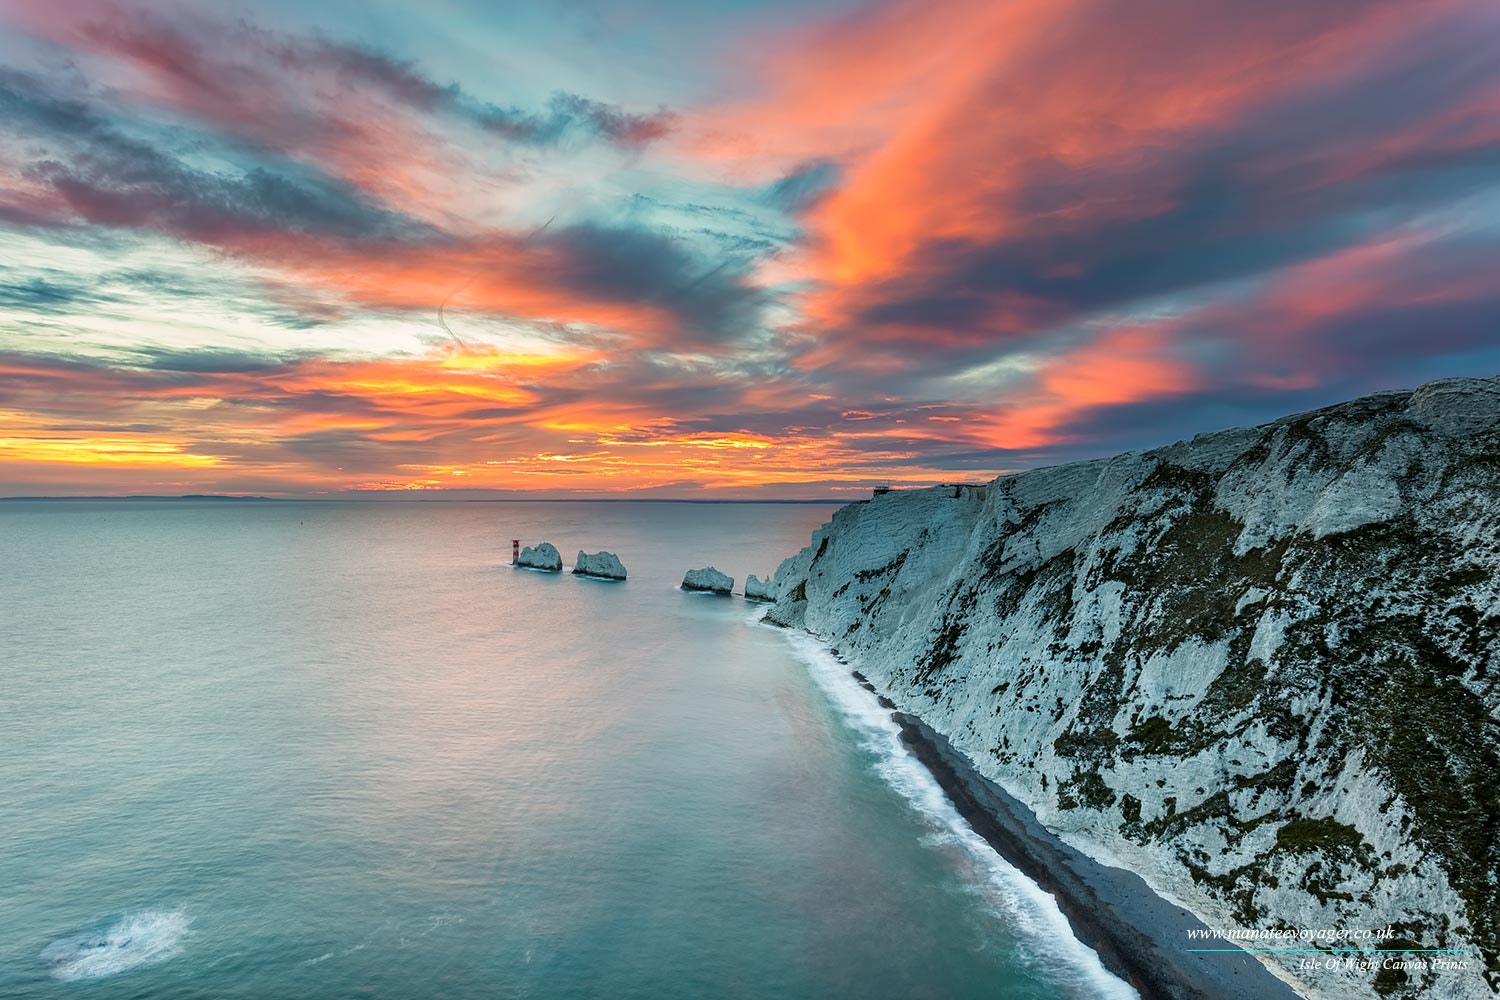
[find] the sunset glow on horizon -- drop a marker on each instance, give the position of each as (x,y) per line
(771,249)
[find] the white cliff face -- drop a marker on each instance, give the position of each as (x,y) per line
(605,565)
(1261,667)
(708,579)
(544,556)
(757,589)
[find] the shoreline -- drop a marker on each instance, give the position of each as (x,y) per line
(1138,935)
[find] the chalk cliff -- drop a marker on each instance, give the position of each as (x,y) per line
(1259,667)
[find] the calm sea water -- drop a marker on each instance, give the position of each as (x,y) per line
(335,750)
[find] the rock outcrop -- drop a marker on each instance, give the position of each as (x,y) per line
(757,589)
(544,556)
(604,565)
(1261,668)
(709,580)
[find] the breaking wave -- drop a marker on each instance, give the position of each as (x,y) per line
(136,939)
(1046,941)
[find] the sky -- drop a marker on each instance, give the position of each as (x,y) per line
(736,250)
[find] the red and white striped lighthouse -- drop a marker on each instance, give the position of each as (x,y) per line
(515,550)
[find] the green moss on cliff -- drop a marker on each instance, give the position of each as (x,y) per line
(1302,835)
(1084,788)
(945,644)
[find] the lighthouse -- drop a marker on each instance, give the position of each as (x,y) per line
(515,550)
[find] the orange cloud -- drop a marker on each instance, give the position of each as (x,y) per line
(951,123)
(476,419)
(500,275)
(1122,366)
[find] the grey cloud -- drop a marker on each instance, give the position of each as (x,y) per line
(110,178)
(565,112)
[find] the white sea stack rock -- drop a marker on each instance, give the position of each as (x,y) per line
(605,565)
(757,589)
(544,556)
(708,579)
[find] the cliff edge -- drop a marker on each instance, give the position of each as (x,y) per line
(1259,668)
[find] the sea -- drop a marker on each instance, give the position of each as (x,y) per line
(256,749)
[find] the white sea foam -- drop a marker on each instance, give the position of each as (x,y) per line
(1046,939)
(134,940)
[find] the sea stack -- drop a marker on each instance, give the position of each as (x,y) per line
(708,580)
(604,565)
(757,589)
(545,557)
